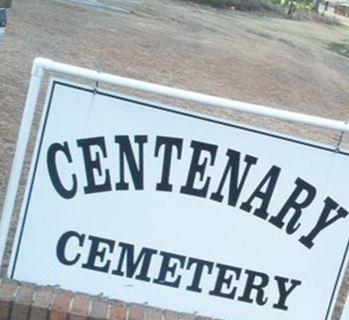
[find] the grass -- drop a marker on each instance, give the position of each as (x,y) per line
(322,18)
(340,48)
(242,5)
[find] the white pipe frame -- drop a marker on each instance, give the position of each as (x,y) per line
(40,65)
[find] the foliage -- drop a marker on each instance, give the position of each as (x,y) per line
(287,6)
(5,3)
(293,6)
(295,9)
(243,5)
(301,4)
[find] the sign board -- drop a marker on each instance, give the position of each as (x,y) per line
(144,202)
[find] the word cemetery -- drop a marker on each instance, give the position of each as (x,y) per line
(253,290)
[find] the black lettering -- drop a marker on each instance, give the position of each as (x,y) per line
(62,244)
(323,221)
(98,250)
(268,182)
(258,287)
(169,266)
(199,266)
(297,206)
(197,167)
(169,145)
(224,281)
(92,165)
(136,170)
(283,292)
(53,170)
(127,257)
(235,186)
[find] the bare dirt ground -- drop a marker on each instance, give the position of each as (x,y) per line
(264,60)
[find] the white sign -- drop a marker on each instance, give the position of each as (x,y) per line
(143,202)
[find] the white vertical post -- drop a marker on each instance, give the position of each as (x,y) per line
(21,147)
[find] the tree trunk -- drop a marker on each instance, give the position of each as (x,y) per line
(291,9)
(315,6)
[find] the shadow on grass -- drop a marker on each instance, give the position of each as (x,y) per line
(340,48)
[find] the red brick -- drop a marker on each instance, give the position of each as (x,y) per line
(99,309)
(41,303)
(153,313)
(61,305)
(171,315)
(26,302)
(136,312)
(187,316)
(7,294)
(80,307)
(202,318)
(117,310)
(22,302)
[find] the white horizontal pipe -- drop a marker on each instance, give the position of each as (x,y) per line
(42,63)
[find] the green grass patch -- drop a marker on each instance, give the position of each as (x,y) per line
(340,48)
(242,5)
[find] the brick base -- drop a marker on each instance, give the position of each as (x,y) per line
(25,301)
